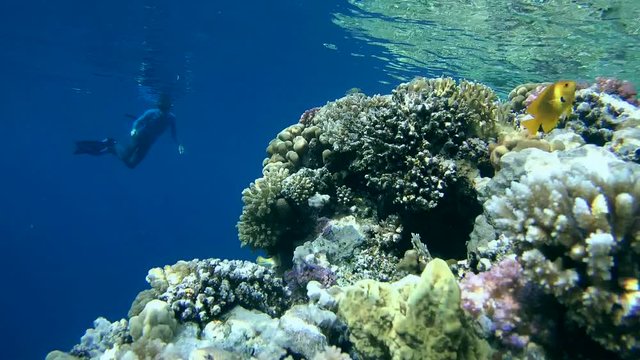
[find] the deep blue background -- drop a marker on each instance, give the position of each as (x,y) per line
(78,234)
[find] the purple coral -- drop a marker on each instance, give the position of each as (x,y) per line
(622,88)
(298,277)
(308,115)
(498,298)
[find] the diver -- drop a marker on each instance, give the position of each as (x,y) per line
(144,132)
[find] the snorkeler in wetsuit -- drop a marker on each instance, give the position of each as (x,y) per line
(145,130)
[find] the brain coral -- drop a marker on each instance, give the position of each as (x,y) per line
(574,222)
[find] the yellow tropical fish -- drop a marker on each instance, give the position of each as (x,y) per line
(266,262)
(555,101)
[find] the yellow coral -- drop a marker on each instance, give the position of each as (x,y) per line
(414,318)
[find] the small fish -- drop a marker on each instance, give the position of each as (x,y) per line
(266,262)
(353,91)
(330,46)
(554,102)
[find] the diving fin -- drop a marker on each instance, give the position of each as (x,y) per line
(91,147)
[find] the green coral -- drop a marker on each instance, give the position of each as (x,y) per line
(414,318)
(574,224)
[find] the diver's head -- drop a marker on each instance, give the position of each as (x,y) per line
(164,102)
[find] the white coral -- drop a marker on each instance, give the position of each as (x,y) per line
(572,207)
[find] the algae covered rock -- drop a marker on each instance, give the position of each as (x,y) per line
(414,318)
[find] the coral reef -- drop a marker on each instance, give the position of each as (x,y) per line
(573,221)
(303,330)
(407,153)
(265,214)
(298,277)
(363,198)
(103,336)
(344,250)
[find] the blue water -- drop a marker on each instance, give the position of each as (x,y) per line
(78,233)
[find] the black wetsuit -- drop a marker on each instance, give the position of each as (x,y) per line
(145,131)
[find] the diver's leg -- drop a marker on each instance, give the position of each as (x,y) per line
(124,152)
(136,156)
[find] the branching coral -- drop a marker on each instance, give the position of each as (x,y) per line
(279,205)
(302,185)
(403,146)
(265,212)
(203,290)
(574,223)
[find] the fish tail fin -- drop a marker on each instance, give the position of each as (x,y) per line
(532,125)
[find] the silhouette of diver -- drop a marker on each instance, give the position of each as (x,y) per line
(145,131)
